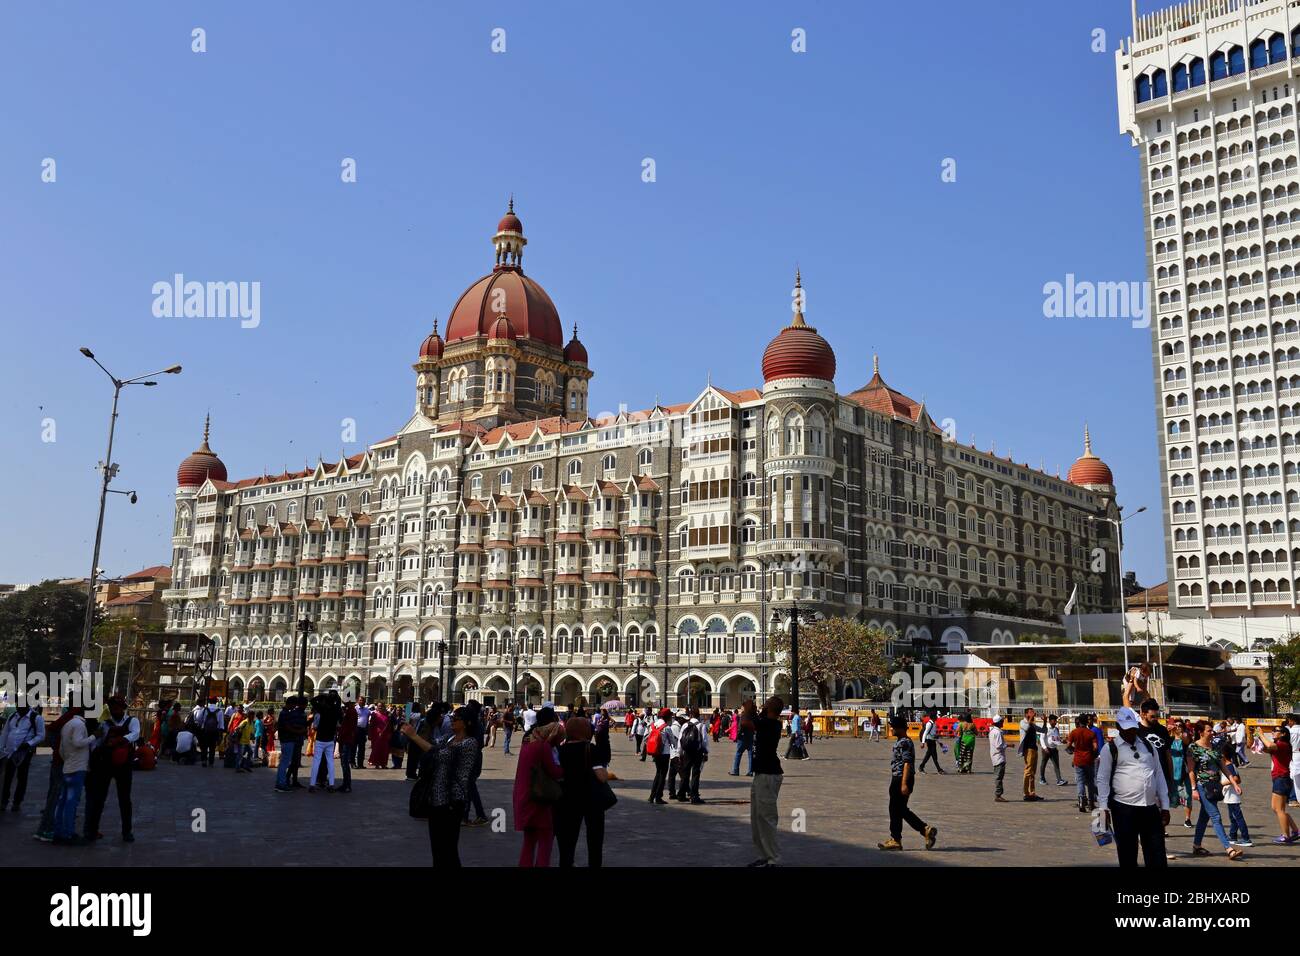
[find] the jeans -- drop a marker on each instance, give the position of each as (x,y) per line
(1134,825)
(52,791)
(324,753)
(899,812)
(65,813)
(347,754)
(1050,756)
(1209,815)
(743,746)
(288,749)
(509,730)
(1236,822)
(361,747)
(1085,784)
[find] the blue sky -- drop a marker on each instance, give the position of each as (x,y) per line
(225,165)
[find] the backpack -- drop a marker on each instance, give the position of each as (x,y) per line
(691,742)
(209,719)
(653,743)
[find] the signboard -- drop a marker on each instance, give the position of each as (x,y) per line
(216,688)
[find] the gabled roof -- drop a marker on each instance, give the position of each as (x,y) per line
(878,397)
(159,572)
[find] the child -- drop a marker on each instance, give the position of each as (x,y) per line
(1232,800)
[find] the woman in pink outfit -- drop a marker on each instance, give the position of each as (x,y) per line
(380,738)
(532,817)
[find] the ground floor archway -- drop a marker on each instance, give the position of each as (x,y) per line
(737,689)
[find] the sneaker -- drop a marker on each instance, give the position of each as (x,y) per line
(1062,783)
(1244,842)
(479,822)
(931,834)
(1187,824)
(733,773)
(999,799)
(890,844)
(1280,841)
(283,789)
(44,837)
(758,863)
(696,801)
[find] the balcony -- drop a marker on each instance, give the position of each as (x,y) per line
(795,546)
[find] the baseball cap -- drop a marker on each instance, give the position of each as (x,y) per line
(997,718)
(1127,719)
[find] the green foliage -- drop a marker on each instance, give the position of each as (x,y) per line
(837,648)
(41,628)
(1286,672)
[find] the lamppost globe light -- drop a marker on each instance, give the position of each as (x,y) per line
(87,352)
(173,370)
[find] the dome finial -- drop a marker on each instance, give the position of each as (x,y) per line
(207,424)
(435,325)
(511,207)
(875,364)
(1087,440)
(575,330)
(797,304)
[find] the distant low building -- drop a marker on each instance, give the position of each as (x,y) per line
(137,595)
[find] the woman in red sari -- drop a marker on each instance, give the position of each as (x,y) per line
(379,739)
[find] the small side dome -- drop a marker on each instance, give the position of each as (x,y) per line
(502,330)
(575,353)
(432,346)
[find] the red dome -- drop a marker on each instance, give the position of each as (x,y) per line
(510,223)
(575,352)
(199,465)
(502,329)
(798,352)
(1088,469)
(432,346)
(531,311)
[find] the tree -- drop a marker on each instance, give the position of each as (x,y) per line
(41,628)
(837,648)
(1286,671)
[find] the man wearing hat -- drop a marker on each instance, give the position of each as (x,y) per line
(662,732)
(998,757)
(1131,787)
(111,762)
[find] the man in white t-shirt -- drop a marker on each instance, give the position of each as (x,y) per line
(998,756)
(530,721)
(185,751)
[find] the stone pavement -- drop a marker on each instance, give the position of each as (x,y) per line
(839,797)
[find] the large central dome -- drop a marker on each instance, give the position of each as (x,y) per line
(510,293)
(507,291)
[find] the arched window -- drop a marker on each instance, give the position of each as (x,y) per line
(1159,86)
(535,474)
(1258,54)
(607,464)
(1197,72)
(1180,78)
(645,457)
(1236,61)
(1218,68)
(506,477)
(1143,88)
(1276,48)
(575,469)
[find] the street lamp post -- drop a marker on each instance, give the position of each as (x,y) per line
(1118,524)
(640,660)
(794,614)
(109,471)
(305,628)
(442,652)
(514,671)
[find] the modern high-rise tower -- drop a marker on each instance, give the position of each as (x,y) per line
(1205,93)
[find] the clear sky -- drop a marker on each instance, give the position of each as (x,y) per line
(225,166)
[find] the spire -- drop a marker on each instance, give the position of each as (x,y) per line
(207,424)
(575,330)
(435,325)
(1087,442)
(511,207)
(798,322)
(875,364)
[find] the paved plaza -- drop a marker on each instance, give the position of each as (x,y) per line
(839,796)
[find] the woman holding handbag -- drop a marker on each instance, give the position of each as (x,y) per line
(1206,763)
(586,793)
(537,789)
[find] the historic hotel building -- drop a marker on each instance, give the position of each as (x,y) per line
(1205,94)
(502,534)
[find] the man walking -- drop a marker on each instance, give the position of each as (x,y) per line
(930,738)
(1082,745)
(902,776)
(694,751)
(74,748)
(1051,740)
(998,757)
(1135,794)
(210,722)
(347,737)
(765,789)
(1028,748)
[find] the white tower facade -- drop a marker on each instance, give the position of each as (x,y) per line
(1207,92)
